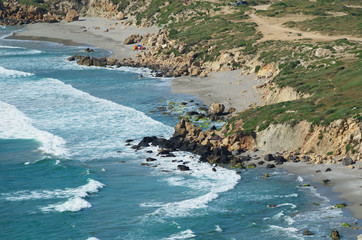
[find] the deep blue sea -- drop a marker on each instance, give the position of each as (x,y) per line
(66,172)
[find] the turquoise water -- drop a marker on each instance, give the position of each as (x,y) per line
(66,172)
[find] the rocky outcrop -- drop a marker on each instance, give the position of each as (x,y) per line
(340,138)
(13,13)
(216,108)
(135,38)
(72,15)
(273,94)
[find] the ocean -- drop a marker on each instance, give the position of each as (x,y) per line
(66,171)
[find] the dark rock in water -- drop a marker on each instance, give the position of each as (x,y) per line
(169,155)
(335,235)
(183,168)
(213,128)
(251,166)
(214,169)
(347,161)
(341,205)
(318,171)
(163,151)
(72,58)
(151,159)
(328,169)
(269,157)
(88,50)
(136,147)
(325,181)
(272,205)
(174,160)
(147,140)
(144,164)
(307,232)
(129,140)
(261,162)
(149,151)
(270,166)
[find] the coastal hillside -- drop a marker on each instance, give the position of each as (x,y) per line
(307,52)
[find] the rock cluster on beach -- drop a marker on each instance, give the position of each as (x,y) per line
(13,13)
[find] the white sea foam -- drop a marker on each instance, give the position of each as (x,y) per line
(21,52)
(182,235)
(71,205)
(287,204)
(92,186)
(5,73)
(218,228)
(92,238)
(201,177)
(10,47)
(14,124)
(74,196)
(63,107)
(300,179)
(289,231)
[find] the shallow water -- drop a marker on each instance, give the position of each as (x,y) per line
(66,172)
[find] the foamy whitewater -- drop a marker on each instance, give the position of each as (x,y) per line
(66,171)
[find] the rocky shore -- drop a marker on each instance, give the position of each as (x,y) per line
(13,13)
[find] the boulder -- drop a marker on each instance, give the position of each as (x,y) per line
(216,108)
(135,38)
(72,15)
(347,161)
(328,169)
(183,168)
(269,157)
(270,166)
(358,238)
(149,159)
(120,16)
(335,235)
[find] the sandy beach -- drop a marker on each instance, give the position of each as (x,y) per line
(100,32)
(230,88)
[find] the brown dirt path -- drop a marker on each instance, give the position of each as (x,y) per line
(272,29)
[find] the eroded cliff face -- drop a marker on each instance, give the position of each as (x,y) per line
(340,138)
(97,8)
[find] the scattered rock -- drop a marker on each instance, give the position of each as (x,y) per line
(72,15)
(328,169)
(88,50)
(261,162)
(120,16)
(269,157)
(216,108)
(183,168)
(251,166)
(341,205)
(135,38)
(149,159)
(307,232)
(270,166)
(347,161)
(325,181)
(335,235)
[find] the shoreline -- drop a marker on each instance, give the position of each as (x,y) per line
(218,85)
